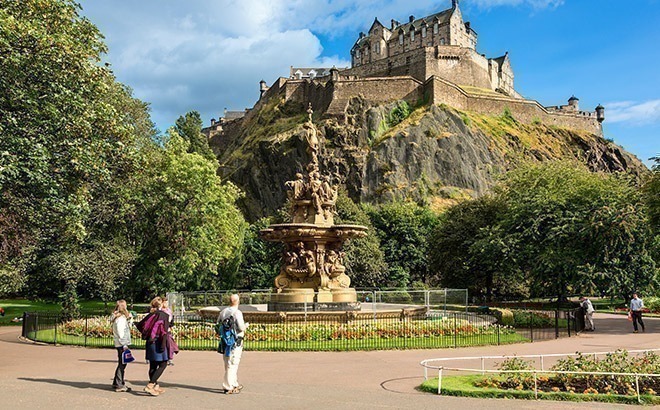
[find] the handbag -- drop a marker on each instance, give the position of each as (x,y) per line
(127,356)
(630,316)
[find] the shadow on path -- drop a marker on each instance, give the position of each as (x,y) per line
(107,387)
(403,385)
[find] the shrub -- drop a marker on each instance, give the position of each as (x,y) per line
(504,316)
(653,304)
(398,113)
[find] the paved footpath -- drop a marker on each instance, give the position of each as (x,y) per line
(36,376)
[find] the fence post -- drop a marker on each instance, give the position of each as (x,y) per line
(639,399)
(445,302)
(466,301)
(498,334)
(556,323)
(373,302)
(23,332)
(568,322)
(427,298)
(531,326)
(536,389)
(483,365)
(440,380)
(455,331)
(86,328)
(55,336)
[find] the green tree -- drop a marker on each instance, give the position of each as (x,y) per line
(652,195)
(468,250)
(261,259)
(403,229)
(70,139)
(365,262)
(190,226)
(576,231)
(189,127)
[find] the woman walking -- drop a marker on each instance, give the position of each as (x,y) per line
(154,329)
(121,330)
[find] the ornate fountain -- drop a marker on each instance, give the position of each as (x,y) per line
(313,272)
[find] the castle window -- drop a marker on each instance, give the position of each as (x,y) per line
(357,54)
(423,31)
(442,41)
(377,48)
(412,35)
(401,38)
(435,28)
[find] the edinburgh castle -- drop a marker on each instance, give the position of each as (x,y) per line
(433,60)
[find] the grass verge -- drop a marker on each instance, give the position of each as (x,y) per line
(464,386)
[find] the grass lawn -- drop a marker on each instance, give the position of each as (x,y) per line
(48,336)
(15,308)
(465,386)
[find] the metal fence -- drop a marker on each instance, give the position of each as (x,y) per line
(373,299)
(324,331)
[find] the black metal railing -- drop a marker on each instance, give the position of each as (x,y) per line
(326,331)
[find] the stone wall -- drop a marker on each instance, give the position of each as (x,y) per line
(525,111)
(332,96)
(375,90)
(459,65)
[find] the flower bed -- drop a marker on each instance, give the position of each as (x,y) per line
(578,387)
(619,362)
(100,327)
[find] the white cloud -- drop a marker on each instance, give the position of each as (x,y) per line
(636,113)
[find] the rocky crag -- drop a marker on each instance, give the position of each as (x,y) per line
(383,152)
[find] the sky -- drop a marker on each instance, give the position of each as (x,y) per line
(208,55)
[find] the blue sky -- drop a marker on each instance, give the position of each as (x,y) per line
(206,55)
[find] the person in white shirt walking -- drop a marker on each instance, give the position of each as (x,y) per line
(588,314)
(230,383)
(121,331)
(636,306)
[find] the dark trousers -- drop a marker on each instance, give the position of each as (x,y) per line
(156,370)
(637,317)
(119,372)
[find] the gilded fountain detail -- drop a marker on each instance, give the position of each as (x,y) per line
(312,271)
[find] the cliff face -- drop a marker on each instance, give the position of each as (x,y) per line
(431,153)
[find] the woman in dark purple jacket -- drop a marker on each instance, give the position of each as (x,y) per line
(155,326)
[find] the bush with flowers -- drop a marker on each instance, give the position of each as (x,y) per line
(618,362)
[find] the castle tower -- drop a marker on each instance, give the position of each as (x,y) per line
(454,4)
(263,87)
(600,113)
(574,102)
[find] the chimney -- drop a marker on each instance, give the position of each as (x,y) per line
(412,18)
(212,121)
(394,24)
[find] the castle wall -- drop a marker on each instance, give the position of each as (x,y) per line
(525,111)
(459,65)
(456,64)
(375,90)
(333,96)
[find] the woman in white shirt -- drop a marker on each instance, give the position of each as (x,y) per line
(121,330)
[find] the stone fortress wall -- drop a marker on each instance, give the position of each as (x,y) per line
(332,95)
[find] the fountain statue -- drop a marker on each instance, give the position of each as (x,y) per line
(312,272)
